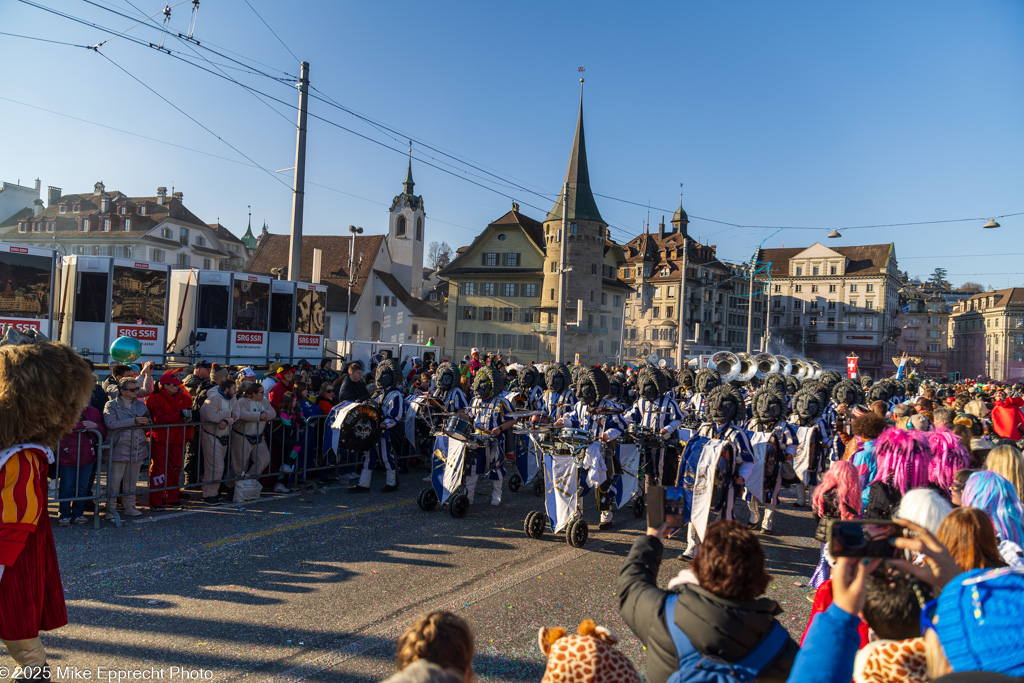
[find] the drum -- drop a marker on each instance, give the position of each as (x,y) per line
(458,427)
(360,428)
(575,437)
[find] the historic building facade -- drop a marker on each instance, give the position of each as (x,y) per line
(825,303)
(507,281)
(986,335)
(923,321)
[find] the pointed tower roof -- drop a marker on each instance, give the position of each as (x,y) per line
(409,184)
(581,202)
(249,239)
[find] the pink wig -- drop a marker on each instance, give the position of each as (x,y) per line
(903,457)
(841,476)
(948,457)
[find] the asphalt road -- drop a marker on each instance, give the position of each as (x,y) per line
(304,587)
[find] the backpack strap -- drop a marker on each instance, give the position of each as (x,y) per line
(685,651)
(765,652)
(747,669)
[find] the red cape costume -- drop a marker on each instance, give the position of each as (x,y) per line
(30,589)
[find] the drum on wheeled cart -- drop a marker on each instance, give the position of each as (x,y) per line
(449,467)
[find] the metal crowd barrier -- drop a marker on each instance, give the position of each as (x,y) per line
(73,487)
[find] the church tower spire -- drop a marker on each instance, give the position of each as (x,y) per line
(581,198)
(409,184)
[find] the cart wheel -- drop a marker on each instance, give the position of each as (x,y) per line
(534,524)
(459,505)
(577,533)
(639,507)
(538,486)
(427,500)
(514,482)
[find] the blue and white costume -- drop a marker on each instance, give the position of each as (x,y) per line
(659,414)
(555,404)
(452,400)
(783,440)
(392,406)
(600,468)
(488,415)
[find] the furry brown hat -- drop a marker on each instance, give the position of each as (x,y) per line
(43,389)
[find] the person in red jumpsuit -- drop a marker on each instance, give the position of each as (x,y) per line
(1007,420)
(45,386)
(171,404)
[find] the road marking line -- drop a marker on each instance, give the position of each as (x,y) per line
(302,525)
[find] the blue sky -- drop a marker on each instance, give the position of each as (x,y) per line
(812,114)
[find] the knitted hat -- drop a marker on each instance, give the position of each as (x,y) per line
(170,377)
(588,656)
(978,620)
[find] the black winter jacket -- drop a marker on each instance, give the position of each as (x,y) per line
(728,629)
(353,391)
(883,500)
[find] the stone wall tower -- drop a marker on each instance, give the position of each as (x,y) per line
(585,253)
(405,236)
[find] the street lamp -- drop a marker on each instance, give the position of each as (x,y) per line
(351,277)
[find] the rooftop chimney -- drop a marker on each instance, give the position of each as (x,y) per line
(661,228)
(98,188)
(52,195)
(178,196)
(39,185)
(161,195)
(38,208)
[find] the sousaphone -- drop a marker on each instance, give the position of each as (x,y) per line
(748,367)
(727,364)
(766,364)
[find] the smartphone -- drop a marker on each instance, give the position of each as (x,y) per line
(667,505)
(863,538)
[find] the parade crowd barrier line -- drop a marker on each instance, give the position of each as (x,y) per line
(165,463)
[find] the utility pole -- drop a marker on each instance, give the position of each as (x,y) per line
(299,184)
(563,255)
(750,304)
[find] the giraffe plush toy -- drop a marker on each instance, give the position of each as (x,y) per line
(586,657)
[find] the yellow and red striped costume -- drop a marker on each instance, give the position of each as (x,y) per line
(30,588)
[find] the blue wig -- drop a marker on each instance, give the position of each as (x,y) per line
(995,495)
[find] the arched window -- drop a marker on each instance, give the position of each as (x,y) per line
(419,229)
(400,226)
(375,326)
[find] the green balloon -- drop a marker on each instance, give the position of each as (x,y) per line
(125,349)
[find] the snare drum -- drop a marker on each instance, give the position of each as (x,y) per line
(458,427)
(575,437)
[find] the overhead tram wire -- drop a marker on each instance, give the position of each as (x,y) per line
(454,158)
(251,92)
(44,40)
(196,121)
(271,30)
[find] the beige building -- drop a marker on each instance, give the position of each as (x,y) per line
(716,293)
(986,335)
(924,321)
(504,286)
(494,291)
(826,303)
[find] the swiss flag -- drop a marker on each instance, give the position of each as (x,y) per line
(851,367)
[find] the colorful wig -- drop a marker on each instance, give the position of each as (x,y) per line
(841,476)
(948,456)
(924,507)
(995,495)
(903,457)
(1007,461)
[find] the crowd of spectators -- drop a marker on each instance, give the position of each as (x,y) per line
(947,607)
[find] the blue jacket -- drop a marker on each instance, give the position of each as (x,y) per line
(829,649)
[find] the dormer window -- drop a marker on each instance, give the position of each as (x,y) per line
(63,208)
(123,210)
(76,208)
(85,225)
(127,223)
(51,226)
(142,210)
(106,225)
(23,226)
